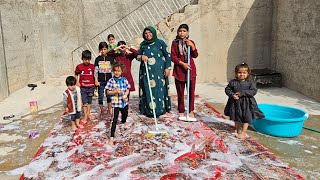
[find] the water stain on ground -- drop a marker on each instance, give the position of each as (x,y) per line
(301,153)
(24,148)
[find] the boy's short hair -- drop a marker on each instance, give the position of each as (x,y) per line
(117,64)
(86,54)
(103,45)
(71,81)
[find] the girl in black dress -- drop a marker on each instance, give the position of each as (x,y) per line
(242,106)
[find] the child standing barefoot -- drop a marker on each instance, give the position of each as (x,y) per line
(84,74)
(242,106)
(179,57)
(118,87)
(72,102)
(102,74)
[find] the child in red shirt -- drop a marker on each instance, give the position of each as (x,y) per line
(85,79)
(179,56)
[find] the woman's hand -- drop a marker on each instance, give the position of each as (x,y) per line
(166,72)
(144,58)
(97,83)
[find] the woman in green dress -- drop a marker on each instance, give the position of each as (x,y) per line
(154,52)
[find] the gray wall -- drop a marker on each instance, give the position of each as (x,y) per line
(39,37)
(4,90)
(21,43)
(296,45)
(226,33)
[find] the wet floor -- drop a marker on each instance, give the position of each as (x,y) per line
(301,153)
(16,148)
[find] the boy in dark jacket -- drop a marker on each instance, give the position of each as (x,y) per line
(102,74)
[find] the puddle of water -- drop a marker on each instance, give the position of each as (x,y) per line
(19,148)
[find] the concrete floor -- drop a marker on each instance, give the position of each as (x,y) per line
(301,152)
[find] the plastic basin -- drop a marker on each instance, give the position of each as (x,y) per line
(281,121)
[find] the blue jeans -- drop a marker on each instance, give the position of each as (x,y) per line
(101,93)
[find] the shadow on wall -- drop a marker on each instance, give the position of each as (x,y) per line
(252,43)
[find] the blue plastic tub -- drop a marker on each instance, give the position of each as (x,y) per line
(281,121)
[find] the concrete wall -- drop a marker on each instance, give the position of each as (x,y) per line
(39,37)
(232,32)
(296,45)
(226,33)
(4,90)
(21,44)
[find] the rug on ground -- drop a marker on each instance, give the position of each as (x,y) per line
(205,149)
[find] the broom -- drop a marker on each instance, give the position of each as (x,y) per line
(187,118)
(156,132)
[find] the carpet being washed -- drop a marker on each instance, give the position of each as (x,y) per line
(205,149)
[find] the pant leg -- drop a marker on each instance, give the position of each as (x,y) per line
(114,120)
(180,93)
(124,114)
(192,94)
(101,92)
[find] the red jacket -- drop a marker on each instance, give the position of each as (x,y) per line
(126,60)
(178,72)
(86,75)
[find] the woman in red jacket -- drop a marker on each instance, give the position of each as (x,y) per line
(179,56)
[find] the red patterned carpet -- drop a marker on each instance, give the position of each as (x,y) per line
(193,150)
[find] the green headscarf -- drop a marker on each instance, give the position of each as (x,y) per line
(154,36)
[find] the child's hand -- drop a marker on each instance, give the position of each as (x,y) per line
(190,43)
(238,94)
(166,72)
(118,91)
(185,66)
(235,97)
(97,83)
(124,97)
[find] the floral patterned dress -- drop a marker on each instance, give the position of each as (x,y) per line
(159,60)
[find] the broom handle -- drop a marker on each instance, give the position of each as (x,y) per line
(154,111)
(188,83)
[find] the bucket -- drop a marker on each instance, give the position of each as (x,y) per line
(280,121)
